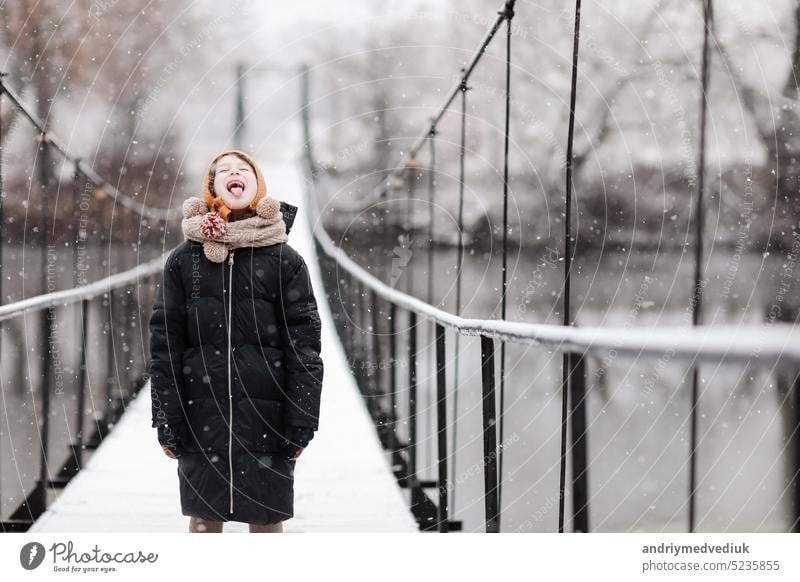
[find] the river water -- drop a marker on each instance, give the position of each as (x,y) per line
(638,408)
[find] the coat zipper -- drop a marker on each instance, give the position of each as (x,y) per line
(230,392)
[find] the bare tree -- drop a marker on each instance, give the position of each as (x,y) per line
(775,116)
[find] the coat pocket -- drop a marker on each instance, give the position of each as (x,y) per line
(207,428)
(258,424)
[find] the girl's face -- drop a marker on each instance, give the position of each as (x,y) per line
(235,181)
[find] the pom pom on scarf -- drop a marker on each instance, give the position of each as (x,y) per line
(213,225)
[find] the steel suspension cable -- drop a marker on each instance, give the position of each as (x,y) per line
(697,294)
(381,188)
(430,288)
(431,282)
(431,201)
(49,140)
(566,360)
(459,260)
(508,12)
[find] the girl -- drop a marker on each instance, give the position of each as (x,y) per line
(235,365)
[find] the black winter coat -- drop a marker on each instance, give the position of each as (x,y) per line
(224,397)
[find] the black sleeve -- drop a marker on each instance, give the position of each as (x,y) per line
(167,341)
(301,332)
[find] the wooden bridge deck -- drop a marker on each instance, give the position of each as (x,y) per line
(343,480)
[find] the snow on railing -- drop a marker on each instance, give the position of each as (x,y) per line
(75,294)
(769,344)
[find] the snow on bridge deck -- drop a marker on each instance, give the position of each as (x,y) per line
(343,481)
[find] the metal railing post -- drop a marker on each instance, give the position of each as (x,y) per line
(2,216)
(39,502)
(441,426)
(577,415)
(794,483)
(412,396)
(489,436)
(345,293)
(392,414)
(108,415)
(2,267)
(47,315)
(78,445)
(360,348)
(375,365)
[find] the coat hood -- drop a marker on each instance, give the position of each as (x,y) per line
(213,202)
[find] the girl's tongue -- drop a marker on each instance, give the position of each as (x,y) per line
(235,189)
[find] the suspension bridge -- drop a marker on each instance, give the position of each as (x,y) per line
(362,470)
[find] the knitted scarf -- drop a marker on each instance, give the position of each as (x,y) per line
(218,236)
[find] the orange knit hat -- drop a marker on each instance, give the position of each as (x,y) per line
(216,202)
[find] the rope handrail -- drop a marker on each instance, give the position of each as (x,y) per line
(88,291)
(84,168)
(775,343)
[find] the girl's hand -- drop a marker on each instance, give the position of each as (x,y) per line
(297,454)
(169,453)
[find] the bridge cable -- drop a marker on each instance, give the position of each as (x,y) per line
(697,296)
(567,361)
(431,264)
(508,13)
(460,255)
(48,139)
(431,200)
(384,185)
